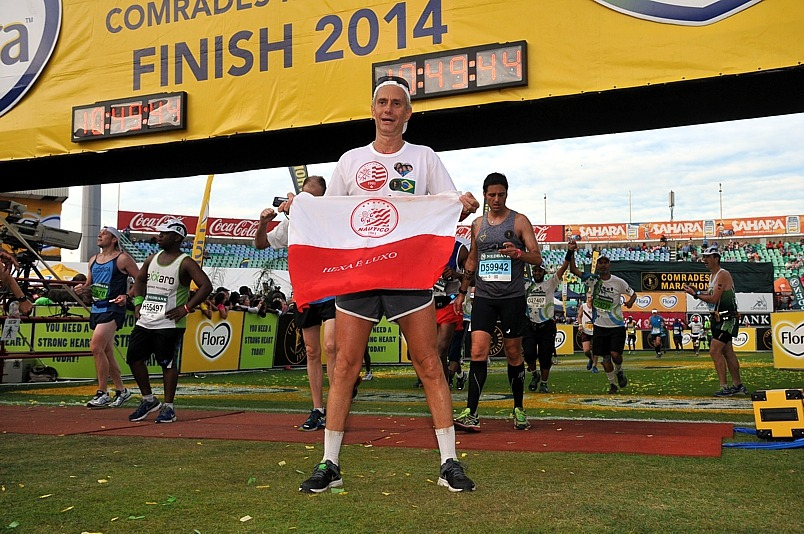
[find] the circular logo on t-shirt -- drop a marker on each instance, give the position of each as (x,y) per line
(372,176)
(374,218)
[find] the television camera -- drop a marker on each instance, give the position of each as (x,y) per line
(26,239)
(37,235)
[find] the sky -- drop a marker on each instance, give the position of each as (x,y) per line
(615,178)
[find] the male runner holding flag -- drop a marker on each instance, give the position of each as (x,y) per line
(366,270)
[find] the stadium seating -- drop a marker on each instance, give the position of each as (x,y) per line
(234,255)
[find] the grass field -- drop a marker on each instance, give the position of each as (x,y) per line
(90,483)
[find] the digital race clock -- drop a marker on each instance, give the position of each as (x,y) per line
(466,70)
(130,116)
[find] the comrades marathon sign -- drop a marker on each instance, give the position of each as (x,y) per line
(674,281)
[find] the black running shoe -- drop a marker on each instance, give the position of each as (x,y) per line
(460,380)
(144,409)
(612,388)
(453,477)
(534,383)
(622,381)
(325,475)
(315,421)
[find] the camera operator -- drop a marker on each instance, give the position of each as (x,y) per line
(279,302)
(9,283)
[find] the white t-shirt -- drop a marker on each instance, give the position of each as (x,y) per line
(585,315)
(540,297)
(696,328)
(278,237)
(607,300)
(413,170)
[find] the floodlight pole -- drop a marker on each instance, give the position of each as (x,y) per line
(672,203)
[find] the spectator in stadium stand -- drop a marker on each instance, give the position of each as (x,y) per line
(245,291)
(107,286)
(722,302)
(320,314)
(219,302)
(161,306)
(85,296)
(8,282)
(207,306)
(413,310)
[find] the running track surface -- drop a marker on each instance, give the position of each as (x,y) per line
(546,435)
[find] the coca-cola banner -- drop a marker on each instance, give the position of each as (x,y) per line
(217,226)
(545,233)
(710,228)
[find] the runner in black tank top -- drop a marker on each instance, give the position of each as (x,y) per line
(503,241)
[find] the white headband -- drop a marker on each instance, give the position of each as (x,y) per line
(394,83)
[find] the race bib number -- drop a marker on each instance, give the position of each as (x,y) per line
(656,331)
(154,306)
(603,304)
(494,268)
(100,291)
(537,302)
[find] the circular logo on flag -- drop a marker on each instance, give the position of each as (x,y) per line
(374,218)
(372,176)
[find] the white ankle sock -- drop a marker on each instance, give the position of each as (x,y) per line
(446,443)
(332,446)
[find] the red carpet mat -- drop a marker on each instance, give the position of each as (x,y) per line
(546,435)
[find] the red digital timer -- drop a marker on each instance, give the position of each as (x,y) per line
(467,70)
(130,116)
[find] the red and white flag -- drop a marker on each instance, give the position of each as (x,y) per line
(341,245)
